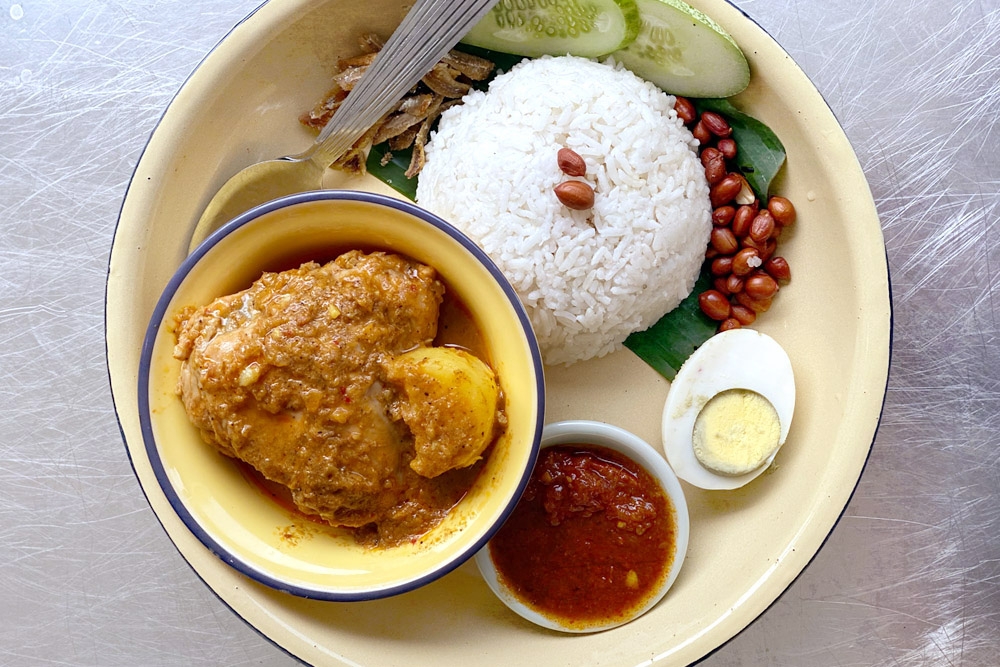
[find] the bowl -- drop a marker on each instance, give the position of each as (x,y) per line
(236,519)
(585,432)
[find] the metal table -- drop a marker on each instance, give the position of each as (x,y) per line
(911,574)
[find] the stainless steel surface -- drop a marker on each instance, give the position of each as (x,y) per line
(910,576)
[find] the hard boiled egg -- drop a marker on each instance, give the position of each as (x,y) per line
(728,410)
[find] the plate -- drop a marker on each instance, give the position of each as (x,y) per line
(746,546)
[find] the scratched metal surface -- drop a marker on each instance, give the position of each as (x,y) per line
(910,576)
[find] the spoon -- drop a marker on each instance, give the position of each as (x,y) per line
(430,29)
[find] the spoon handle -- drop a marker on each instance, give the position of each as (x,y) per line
(430,29)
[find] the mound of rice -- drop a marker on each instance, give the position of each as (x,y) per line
(587,278)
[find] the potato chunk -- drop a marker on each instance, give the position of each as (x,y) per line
(449,402)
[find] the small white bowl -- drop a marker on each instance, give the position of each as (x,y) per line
(619,440)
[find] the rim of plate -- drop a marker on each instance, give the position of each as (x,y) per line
(300,651)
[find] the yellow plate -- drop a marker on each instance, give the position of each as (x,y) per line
(746,546)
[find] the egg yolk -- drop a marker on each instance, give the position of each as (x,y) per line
(736,432)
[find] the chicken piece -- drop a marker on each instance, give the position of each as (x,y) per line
(289,377)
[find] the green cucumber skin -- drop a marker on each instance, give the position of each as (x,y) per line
(603,27)
(685,52)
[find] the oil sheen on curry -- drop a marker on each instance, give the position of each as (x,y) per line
(359,385)
(590,541)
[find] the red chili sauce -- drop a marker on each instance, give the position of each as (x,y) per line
(591,539)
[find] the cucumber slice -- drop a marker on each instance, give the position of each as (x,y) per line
(586,28)
(685,52)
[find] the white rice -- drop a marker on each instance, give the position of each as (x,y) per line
(587,278)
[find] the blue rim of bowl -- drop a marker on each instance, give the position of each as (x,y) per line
(152,331)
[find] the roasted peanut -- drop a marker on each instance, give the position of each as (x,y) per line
(570,162)
(744,239)
(725,190)
(782,210)
(760,286)
(743,315)
(723,241)
(723,215)
(714,163)
(748,242)
(716,124)
(762,226)
(685,110)
(745,262)
(728,148)
(714,304)
(769,247)
(576,195)
(722,266)
(701,133)
(757,306)
(742,219)
(777,268)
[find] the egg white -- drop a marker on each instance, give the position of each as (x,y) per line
(735,359)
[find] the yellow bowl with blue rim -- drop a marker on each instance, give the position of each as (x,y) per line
(236,519)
